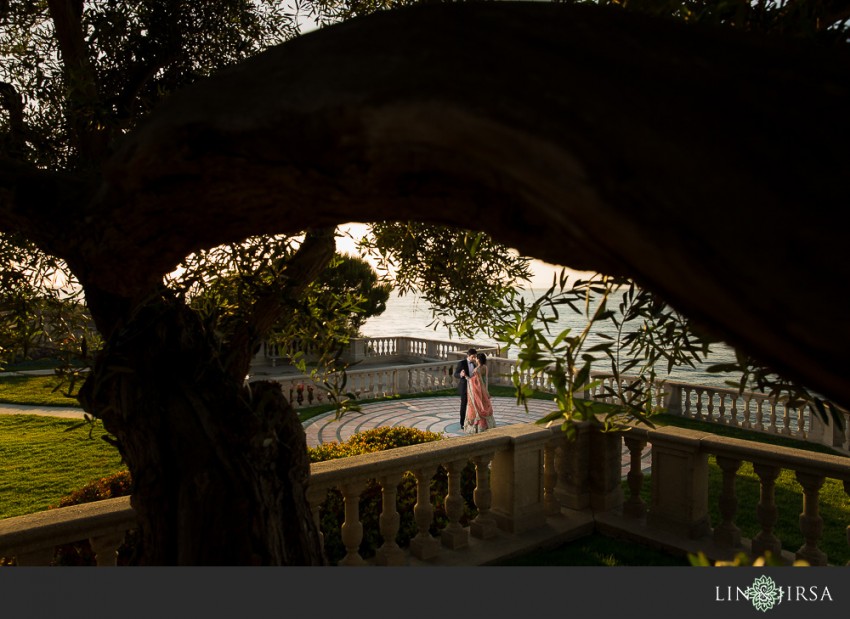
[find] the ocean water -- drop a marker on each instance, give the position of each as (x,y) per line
(410,316)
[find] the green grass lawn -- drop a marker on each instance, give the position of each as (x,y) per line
(37,391)
(42,459)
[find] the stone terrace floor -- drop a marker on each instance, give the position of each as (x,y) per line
(437,414)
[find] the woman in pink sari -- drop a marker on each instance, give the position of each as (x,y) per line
(479,412)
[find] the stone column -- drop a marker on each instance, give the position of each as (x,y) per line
(517,479)
(572,464)
(356,350)
(606,462)
(679,501)
(672,399)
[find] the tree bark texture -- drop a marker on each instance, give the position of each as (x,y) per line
(219,468)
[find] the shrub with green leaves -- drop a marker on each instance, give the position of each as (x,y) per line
(107,487)
(377,439)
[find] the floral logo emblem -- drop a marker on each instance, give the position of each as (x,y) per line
(764,594)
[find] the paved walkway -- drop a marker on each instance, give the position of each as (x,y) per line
(46,411)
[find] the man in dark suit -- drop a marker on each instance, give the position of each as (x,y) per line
(462,371)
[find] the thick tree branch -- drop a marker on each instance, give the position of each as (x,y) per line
(691,159)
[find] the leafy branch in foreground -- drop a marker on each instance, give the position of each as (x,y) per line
(645,340)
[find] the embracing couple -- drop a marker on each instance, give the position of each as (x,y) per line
(476,410)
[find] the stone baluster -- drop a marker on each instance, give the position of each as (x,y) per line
(748,422)
(760,414)
(550,478)
(635,506)
(454,536)
(317,496)
(721,410)
(484,526)
(699,415)
(105,548)
(765,541)
(424,546)
(710,406)
(811,523)
(727,533)
(389,553)
(686,402)
(41,557)
(773,427)
(352,528)
(847,492)
(786,419)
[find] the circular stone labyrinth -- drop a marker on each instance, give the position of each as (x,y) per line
(432,414)
(441,414)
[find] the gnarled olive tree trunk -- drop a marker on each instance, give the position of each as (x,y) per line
(219,467)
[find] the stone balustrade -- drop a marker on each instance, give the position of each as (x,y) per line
(534,487)
(509,498)
(32,539)
(379,382)
(748,410)
(389,349)
(678,512)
